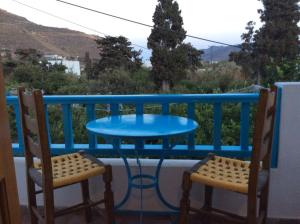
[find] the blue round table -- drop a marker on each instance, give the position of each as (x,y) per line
(140,128)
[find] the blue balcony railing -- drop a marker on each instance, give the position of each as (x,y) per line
(138,102)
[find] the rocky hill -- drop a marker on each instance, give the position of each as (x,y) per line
(218,53)
(17,32)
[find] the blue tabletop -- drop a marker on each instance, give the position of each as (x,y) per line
(142,126)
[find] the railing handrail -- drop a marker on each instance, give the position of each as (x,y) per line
(146,98)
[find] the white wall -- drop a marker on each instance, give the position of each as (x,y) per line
(284,199)
(285,184)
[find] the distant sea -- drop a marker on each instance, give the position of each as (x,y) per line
(213,53)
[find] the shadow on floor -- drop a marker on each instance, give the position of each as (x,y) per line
(99,218)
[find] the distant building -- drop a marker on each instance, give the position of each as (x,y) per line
(72,66)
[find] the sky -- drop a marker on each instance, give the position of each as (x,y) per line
(218,20)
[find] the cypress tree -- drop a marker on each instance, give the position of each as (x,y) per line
(278,37)
(170,56)
(277,42)
(274,50)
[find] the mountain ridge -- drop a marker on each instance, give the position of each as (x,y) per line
(18,32)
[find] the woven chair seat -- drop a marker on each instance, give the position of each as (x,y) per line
(70,168)
(225,173)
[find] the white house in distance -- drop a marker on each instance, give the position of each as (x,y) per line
(72,66)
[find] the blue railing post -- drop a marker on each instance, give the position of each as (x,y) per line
(139,110)
(68,128)
(47,123)
(90,110)
(217,124)
(275,147)
(19,127)
(114,109)
(165,111)
(244,126)
(191,115)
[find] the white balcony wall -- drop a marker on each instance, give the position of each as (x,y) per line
(284,199)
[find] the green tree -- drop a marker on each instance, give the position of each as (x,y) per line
(116,52)
(278,39)
(27,73)
(279,34)
(273,48)
(170,56)
(29,55)
(88,66)
(245,57)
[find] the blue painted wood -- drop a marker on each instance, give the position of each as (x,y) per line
(47,123)
(275,146)
(90,110)
(244,127)
(191,115)
(165,108)
(164,100)
(18,125)
(114,109)
(146,126)
(154,98)
(68,128)
(217,126)
(139,108)
(150,150)
(165,111)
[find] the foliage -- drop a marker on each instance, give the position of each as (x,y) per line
(27,73)
(269,50)
(29,55)
(246,57)
(170,56)
(115,53)
(88,66)
(214,78)
(220,77)
(34,76)
(112,82)
(8,66)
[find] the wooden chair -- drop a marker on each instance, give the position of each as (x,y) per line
(10,212)
(56,172)
(250,179)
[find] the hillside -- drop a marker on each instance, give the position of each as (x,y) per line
(17,32)
(218,53)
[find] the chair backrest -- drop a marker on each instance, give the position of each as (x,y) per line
(10,212)
(263,133)
(34,129)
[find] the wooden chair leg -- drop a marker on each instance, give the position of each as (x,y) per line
(263,203)
(251,209)
(31,200)
(108,195)
(86,199)
(48,206)
(185,201)
(208,195)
